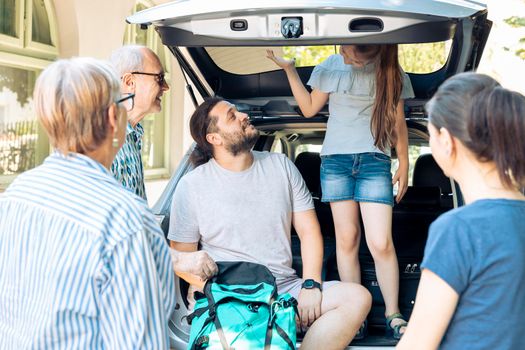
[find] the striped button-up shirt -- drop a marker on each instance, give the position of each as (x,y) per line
(127,167)
(83,263)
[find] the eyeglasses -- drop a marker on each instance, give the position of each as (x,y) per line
(160,77)
(128,101)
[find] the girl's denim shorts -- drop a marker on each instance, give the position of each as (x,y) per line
(361,177)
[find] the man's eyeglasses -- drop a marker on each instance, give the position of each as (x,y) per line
(160,77)
(128,101)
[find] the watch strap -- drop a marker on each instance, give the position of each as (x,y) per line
(310,284)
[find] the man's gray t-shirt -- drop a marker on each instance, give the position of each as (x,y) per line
(479,251)
(242,216)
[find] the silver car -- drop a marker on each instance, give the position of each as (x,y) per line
(221,45)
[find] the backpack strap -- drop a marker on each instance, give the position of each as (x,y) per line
(268,338)
(271,318)
(212,318)
(281,332)
(194,345)
(213,314)
(285,336)
(197,313)
(220,332)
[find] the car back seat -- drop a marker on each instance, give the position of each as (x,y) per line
(429,197)
(421,205)
(428,173)
(309,165)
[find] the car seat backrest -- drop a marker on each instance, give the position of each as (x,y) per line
(422,204)
(309,165)
(422,197)
(427,173)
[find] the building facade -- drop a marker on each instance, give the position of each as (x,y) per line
(34,33)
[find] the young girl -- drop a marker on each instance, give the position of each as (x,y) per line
(365,87)
(471,292)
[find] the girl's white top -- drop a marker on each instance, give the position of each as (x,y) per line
(352,93)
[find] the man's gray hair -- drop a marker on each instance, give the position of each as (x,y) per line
(129,58)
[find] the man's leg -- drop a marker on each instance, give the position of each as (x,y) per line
(344,307)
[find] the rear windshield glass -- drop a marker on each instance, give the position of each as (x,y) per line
(414,58)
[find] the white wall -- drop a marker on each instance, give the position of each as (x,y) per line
(95,28)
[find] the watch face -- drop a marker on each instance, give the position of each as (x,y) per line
(308,284)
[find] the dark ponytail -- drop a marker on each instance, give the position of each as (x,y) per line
(487,118)
(201,124)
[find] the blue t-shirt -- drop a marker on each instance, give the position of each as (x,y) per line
(479,250)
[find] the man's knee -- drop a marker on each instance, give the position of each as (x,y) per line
(351,296)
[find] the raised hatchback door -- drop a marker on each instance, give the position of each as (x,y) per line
(306,22)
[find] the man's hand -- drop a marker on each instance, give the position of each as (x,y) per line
(196,263)
(309,306)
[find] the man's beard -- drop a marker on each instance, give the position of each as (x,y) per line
(240,142)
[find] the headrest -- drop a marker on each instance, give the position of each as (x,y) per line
(309,165)
(428,174)
(427,197)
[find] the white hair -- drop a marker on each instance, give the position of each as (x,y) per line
(128,58)
(71,100)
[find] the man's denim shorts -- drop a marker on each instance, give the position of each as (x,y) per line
(361,177)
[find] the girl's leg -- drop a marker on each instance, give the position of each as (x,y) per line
(377,219)
(348,235)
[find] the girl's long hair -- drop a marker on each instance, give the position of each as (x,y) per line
(389,83)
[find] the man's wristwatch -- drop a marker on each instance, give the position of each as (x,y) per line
(311,284)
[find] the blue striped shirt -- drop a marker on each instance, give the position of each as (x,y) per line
(83,263)
(127,166)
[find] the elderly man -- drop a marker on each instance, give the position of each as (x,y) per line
(240,205)
(140,73)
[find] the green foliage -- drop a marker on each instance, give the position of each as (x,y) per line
(306,56)
(414,58)
(521,53)
(515,21)
(423,58)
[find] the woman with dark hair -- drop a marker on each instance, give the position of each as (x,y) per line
(471,292)
(365,87)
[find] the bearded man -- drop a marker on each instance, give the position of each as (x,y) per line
(239,205)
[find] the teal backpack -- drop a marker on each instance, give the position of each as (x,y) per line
(240,310)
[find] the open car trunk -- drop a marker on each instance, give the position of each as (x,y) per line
(194,29)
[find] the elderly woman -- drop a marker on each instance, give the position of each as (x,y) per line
(83,263)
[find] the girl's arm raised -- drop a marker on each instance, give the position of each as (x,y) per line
(309,103)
